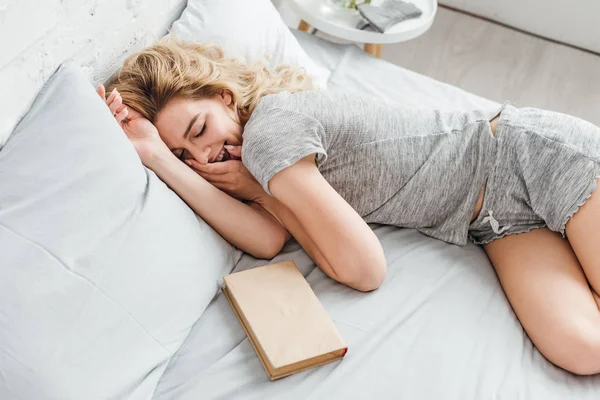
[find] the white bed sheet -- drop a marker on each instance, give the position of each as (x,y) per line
(440,327)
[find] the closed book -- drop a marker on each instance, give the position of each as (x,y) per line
(283,319)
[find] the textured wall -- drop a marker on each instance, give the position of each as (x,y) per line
(572,22)
(37,35)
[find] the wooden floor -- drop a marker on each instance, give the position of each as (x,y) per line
(500,63)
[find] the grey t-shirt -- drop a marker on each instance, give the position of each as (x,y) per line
(393,164)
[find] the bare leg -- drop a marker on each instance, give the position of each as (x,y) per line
(548,291)
(583,231)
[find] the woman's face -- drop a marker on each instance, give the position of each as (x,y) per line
(199,129)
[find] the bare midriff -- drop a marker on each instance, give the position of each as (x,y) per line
(479,204)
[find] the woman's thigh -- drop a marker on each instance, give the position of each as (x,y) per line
(550,295)
(583,232)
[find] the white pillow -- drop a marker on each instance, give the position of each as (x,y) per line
(246,28)
(103,269)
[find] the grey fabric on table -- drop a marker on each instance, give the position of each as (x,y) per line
(383,17)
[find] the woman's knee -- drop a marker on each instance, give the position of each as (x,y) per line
(580,352)
(367,279)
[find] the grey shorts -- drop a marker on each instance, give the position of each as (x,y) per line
(544,167)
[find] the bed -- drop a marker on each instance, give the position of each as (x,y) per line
(440,327)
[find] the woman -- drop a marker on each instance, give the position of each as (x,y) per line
(321,165)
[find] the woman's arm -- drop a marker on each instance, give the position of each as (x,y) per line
(243,225)
(291,224)
(332,233)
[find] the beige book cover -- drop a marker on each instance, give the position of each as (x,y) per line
(283,318)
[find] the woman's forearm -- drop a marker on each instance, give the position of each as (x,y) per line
(293,225)
(238,223)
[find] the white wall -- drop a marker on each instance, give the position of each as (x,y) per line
(37,35)
(573,22)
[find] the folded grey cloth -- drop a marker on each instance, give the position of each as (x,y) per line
(387,14)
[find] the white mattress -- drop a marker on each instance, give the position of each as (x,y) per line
(440,327)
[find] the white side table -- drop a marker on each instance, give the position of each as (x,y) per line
(341,23)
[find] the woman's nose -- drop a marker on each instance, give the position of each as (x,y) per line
(203,157)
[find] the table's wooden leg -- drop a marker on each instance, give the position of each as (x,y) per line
(373,49)
(303,26)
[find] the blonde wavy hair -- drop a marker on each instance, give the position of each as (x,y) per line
(174,68)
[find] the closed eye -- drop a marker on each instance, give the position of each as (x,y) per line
(201,131)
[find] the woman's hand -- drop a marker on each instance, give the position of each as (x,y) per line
(230,176)
(141,132)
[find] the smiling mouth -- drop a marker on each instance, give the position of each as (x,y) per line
(223,156)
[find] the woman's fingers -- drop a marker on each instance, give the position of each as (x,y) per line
(112,96)
(211,177)
(200,168)
(121,115)
(195,165)
(234,150)
(121,107)
(115,104)
(216,168)
(102,92)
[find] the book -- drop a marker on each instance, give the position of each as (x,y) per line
(283,319)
